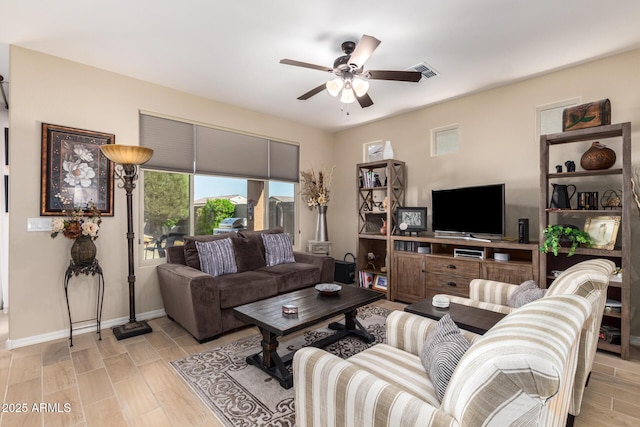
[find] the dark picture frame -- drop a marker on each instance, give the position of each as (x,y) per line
(414,217)
(73,166)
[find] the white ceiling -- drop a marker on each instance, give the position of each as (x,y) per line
(230,51)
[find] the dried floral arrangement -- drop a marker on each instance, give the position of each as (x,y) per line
(77,221)
(316,186)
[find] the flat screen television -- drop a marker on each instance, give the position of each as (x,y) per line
(469,211)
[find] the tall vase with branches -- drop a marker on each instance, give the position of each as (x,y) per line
(316,187)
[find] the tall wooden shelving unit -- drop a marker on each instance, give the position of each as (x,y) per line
(392,180)
(621,254)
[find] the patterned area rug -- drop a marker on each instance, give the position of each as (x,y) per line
(242,395)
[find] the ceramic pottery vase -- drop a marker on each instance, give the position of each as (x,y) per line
(83,251)
(383,229)
(598,157)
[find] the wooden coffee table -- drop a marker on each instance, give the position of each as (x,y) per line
(472,319)
(313,308)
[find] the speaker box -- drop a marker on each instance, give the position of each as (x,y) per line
(523,230)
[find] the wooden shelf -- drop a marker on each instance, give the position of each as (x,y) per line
(619,177)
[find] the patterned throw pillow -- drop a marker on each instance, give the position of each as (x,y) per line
(527,291)
(217,257)
(278,249)
(442,351)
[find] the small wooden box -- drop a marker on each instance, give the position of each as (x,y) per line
(588,115)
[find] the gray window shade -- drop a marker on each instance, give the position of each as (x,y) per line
(231,154)
(185,147)
(171,141)
(283,161)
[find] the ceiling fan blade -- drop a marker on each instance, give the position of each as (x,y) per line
(403,76)
(364,100)
(306,65)
(363,50)
(314,91)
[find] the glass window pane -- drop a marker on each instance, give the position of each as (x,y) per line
(282,211)
(216,199)
(166,211)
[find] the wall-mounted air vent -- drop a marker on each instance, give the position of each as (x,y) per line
(426,71)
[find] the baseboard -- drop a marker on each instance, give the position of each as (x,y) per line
(89,328)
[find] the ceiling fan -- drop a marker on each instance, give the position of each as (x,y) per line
(352,79)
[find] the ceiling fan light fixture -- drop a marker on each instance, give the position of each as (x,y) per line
(347,96)
(335,86)
(360,86)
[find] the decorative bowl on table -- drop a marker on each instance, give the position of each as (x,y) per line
(328,288)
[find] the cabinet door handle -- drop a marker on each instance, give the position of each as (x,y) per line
(451,266)
(454,284)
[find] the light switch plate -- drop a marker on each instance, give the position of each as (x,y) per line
(38,224)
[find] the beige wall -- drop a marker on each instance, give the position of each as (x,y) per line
(52,90)
(498,143)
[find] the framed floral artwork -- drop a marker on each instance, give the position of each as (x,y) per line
(74,168)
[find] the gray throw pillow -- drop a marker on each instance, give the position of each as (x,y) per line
(441,353)
(278,249)
(217,257)
(527,291)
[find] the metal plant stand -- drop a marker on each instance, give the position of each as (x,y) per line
(86,269)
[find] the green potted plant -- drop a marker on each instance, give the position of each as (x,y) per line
(556,235)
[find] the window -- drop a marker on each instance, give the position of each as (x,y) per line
(167,207)
(201,176)
(550,116)
(444,140)
(166,211)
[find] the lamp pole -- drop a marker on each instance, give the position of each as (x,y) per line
(127,159)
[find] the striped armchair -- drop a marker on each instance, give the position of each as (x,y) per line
(589,279)
(520,372)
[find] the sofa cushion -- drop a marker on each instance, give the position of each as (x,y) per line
(191,257)
(525,293)
(243,288)
(217,258)
(257,235)
(248,254)
(293,276)
(442,351)
(278,249)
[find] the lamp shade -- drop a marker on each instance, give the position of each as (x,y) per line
(360,87)
(334,86)
(127,154)
(347,96)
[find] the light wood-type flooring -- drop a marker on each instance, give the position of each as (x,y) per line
(130,383)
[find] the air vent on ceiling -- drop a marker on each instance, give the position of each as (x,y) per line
(426,71)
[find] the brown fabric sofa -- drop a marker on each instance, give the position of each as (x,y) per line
(203,304)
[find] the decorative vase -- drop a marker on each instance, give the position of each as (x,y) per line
(83,251)
(598,157)
(387,152)
(322,235)
(383,229)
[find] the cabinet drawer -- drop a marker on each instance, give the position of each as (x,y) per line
(454,266)
(448,284)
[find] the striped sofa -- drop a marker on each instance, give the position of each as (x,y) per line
(520,372)
(589,279)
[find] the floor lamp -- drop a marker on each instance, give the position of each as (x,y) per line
(127,159)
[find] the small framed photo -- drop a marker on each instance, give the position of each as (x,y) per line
(372,151)
(411,219)
(603,231)
(366,279)
(380,283)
